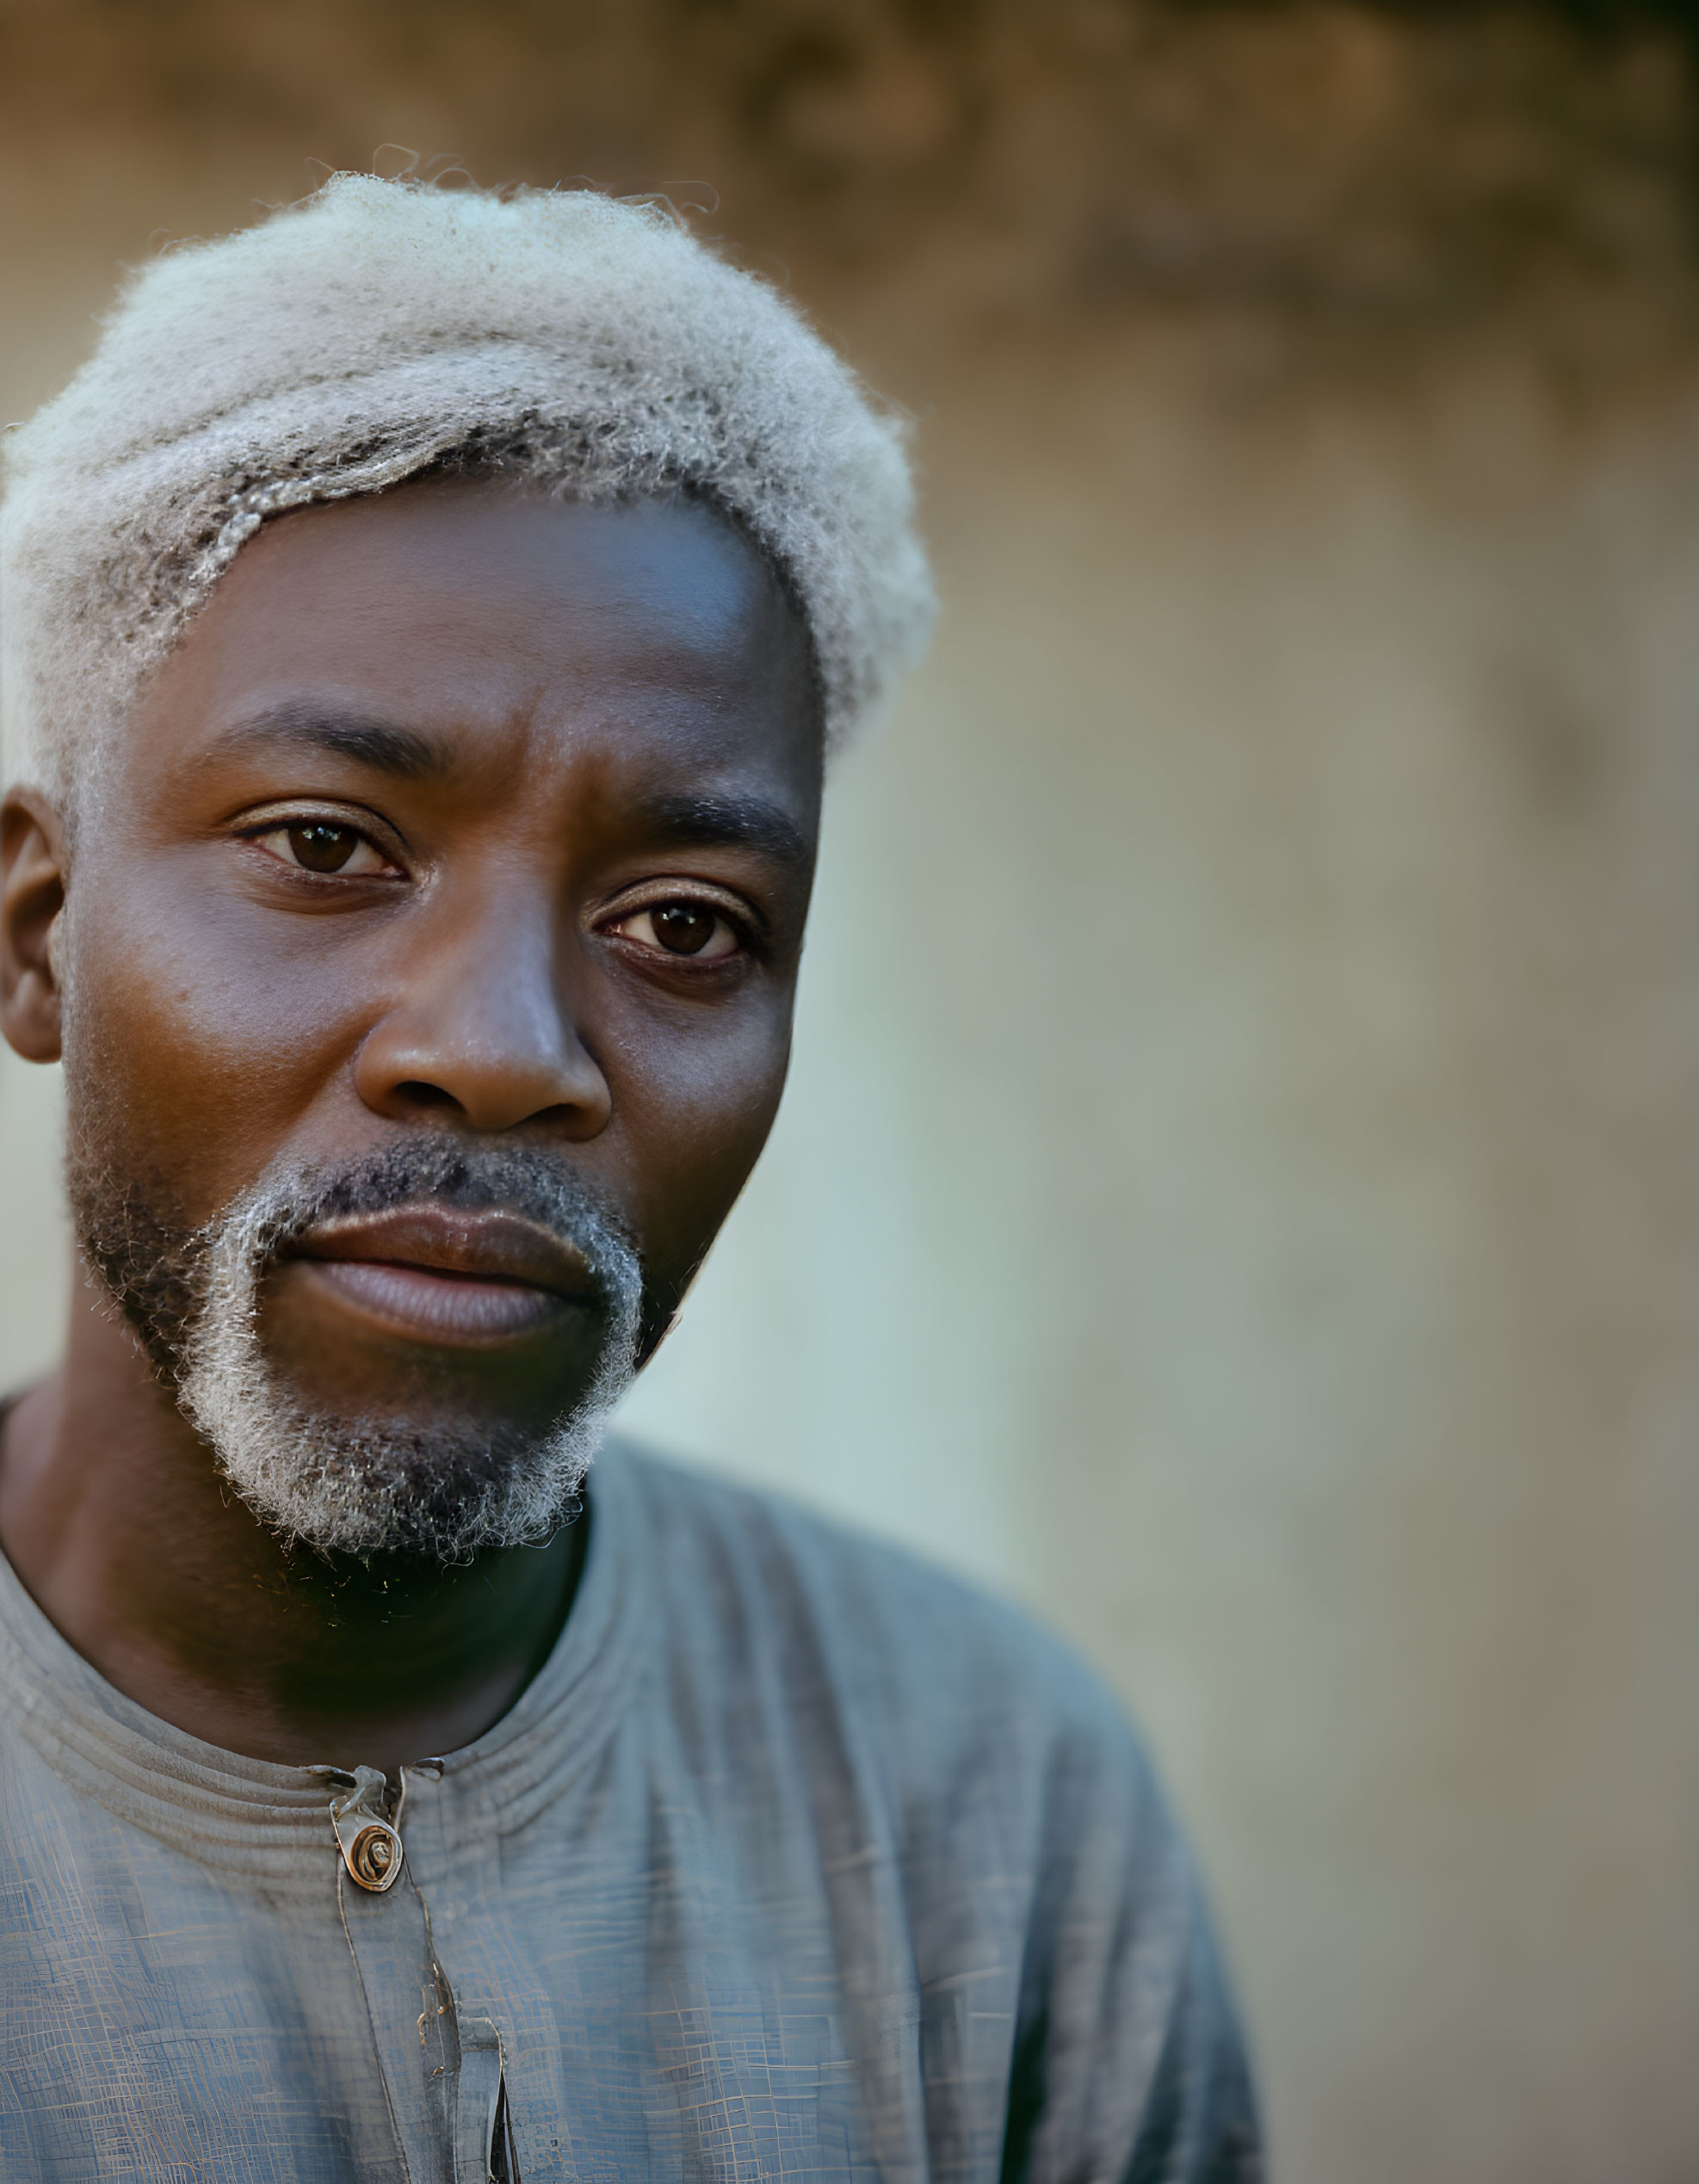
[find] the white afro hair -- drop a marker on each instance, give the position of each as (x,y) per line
(587,345)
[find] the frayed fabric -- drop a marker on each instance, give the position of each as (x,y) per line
(574,342)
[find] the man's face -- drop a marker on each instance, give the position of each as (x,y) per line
(429,953)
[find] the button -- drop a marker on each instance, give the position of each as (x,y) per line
(374,1858)
(370,1845)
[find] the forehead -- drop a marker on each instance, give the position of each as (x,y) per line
(475,611)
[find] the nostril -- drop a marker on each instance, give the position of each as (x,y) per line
(419,1093)
(487,1075)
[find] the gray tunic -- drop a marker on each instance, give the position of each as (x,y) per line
(797,1859)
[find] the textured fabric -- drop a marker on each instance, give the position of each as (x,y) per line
(797,1860)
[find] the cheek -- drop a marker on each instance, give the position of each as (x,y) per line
(692,1113)
(199,1051)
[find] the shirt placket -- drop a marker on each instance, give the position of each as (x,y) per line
(442,2070)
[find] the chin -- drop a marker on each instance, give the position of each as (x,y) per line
(440,1479)
(360,1487)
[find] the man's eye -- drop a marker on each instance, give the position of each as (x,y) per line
(682,929)
(320,845)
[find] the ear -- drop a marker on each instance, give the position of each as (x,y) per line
(32,896)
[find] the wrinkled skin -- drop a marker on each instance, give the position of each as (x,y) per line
(539,724)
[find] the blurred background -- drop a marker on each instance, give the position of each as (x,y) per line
(1239,1187)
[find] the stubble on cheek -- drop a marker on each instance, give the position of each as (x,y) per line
(163,1121)
(127,1214)
(145,1144)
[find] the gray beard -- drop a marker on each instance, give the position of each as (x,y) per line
(358,1485)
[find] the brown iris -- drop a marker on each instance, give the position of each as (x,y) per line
(321,847)
(683,929)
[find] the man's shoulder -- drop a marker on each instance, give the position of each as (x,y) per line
(906,1722)
(936,1660)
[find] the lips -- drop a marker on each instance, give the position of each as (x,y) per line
(448,1275)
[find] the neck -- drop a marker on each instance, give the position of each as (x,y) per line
(114,1516)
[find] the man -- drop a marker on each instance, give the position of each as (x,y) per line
(426,621)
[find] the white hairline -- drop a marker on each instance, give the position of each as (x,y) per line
(593,347)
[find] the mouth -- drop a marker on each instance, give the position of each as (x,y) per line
(444,1275)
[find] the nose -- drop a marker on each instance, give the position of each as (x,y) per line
(478,1025)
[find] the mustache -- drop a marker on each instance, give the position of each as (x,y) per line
(285,1205)
(358,1484)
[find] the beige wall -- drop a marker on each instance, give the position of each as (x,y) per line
(1239,1187)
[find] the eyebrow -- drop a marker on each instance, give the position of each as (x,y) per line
(681,820)
(731,822)
(384,745)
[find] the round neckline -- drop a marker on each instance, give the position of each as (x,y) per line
(263,1820)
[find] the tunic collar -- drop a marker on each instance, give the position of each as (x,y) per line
(268,1824)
